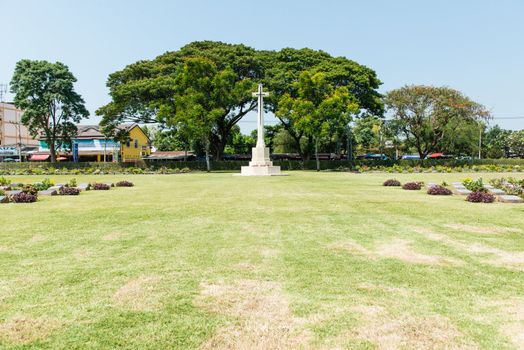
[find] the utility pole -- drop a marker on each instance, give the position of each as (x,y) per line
(480,140)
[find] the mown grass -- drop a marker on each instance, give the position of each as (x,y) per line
(127,267)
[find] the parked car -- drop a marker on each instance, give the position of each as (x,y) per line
(377,156)
(411,157)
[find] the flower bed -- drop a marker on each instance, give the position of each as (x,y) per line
(480,197)
(23,197)
(124,184)
(412,186)
(69,191)
(439,191)
(391,183)
(100,187)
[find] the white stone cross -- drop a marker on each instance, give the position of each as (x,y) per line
(260,119)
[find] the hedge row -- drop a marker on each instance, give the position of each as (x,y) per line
(341,165)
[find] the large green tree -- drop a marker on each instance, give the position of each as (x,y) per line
(317,107)
(141,89)
(52,108)
(426,114)
(284,69)
(200,92)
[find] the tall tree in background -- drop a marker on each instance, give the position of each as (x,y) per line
(52,108)
(141,89)
(317,107)
(200,90)
(426,114)
(284,69)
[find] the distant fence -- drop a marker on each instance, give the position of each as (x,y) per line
(226,165)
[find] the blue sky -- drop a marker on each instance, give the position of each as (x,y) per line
(476,46)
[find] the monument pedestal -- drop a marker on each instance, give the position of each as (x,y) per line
(260,165)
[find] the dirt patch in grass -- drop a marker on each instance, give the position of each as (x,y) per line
(262,318)
(139,294)
(114,236)
(247,266)
(406,331)
(512,327)
(499,257)
(38,238)
(481,229)
(397,249)
(26,330)
(402,250)
(269,253)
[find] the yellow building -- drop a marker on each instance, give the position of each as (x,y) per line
(137,147)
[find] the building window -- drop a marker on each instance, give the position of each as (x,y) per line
(128,144)
(136,143)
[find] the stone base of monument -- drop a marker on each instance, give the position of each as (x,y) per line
(260,165)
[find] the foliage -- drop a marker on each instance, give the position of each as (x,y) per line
(124,184)
(412,186)
(474,185)
(200,89)
(69,191)
(148,91)
(391,182)
(23,197)
(439,191)
(72,183)
(100,186)
(425,114)
(480,197)
(44,185)
(4,181)
(316,108)
(144,91)
(515,143)
(239,143)
(51,107)
(30,189)
(310,71)
(509,185)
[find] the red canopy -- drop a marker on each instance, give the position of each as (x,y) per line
(436,155)
(39,157)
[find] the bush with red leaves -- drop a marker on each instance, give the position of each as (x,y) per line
(413,186)
(100,187)
(23,197)
(124,184)
(391,182)
(480,197)
(69,191)
(439,191)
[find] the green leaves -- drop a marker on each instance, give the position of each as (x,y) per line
(426,114)
(45,91)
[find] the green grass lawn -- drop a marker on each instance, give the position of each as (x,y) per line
(312,260)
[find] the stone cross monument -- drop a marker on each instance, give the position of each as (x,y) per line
(260,164)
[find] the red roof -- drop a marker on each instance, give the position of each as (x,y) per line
(39,157)
(436,155)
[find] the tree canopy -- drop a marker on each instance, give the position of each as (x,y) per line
(45,91)
(147,91)
(426,114)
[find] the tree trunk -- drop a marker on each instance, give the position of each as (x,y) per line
(208,164)
(185,153)
(316,154)
(52,151)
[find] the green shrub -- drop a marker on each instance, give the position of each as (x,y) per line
(474,185)
(4,181)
